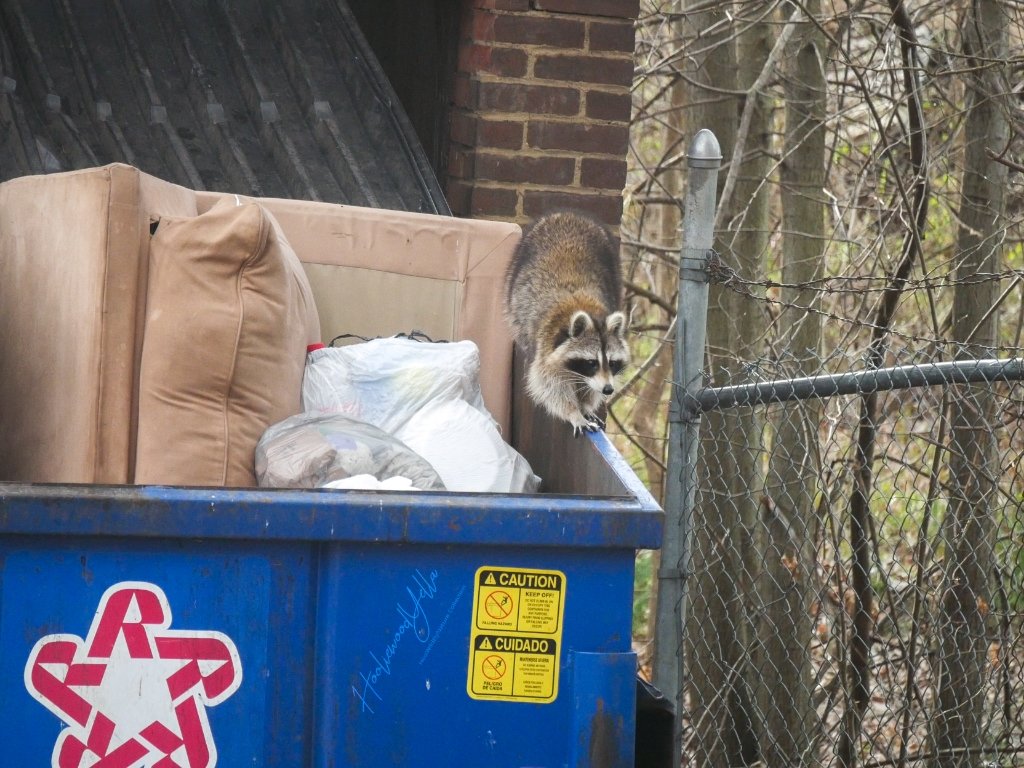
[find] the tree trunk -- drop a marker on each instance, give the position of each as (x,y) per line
(714,656)
(784,697)
(958,725)
(724,572)
(861,608)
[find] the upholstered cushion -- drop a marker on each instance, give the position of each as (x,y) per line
(229,315)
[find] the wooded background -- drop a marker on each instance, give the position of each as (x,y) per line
(857,595)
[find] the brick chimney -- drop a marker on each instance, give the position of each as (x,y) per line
(541,108)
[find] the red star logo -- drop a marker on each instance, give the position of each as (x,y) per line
(134,692)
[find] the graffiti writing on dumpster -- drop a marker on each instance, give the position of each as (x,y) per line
(134,692)
(412,610)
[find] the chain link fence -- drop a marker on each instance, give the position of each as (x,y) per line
(842,581)
(856,585)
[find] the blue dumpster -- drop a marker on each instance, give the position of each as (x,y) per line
(159,626)
(146,626)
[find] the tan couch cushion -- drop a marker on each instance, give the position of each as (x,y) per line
(72,259)
(228,318)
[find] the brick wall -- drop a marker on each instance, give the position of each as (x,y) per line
(541,108)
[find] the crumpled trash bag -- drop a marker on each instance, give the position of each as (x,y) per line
(310,450)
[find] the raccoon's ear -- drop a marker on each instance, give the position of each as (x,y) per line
(579,323)
(616,323)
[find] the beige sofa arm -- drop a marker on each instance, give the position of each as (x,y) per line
(72,260)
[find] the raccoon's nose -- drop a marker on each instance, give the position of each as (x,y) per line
(608,389)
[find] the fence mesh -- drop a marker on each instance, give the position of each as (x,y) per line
(855,589)
(856,594)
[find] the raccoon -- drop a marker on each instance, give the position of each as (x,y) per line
(563,292)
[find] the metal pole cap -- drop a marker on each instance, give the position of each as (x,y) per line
(705,151)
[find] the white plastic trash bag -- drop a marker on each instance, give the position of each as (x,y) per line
(466,449)
(385,381)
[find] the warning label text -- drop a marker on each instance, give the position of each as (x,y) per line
(514,667)
(516,634)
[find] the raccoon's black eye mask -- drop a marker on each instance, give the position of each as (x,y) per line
(583,367)
(615,366)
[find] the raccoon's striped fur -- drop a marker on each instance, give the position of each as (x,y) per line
(564,291)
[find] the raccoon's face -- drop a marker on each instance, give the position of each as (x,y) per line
(594,353)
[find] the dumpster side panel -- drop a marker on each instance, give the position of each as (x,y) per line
(392,686)
(257,600)
(349,653)
(603,709)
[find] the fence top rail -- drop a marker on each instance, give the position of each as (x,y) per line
(857,382)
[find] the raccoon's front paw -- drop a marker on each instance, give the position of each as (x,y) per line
(583,423)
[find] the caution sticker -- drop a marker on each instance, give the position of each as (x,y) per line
(516,634)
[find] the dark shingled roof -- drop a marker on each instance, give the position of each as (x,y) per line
(278,99)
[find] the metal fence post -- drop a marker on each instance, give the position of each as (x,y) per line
(704,159)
